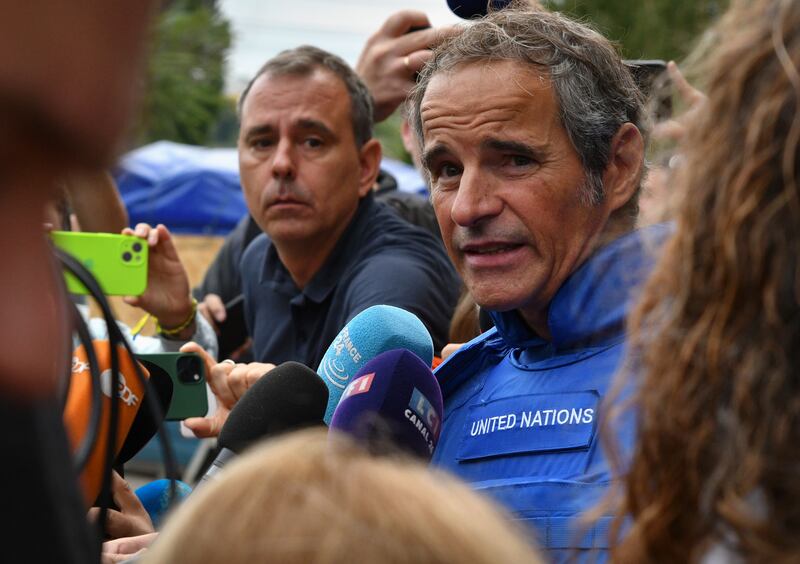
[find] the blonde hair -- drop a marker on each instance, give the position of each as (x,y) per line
(309,497)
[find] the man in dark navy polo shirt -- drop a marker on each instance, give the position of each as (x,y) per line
(308,163)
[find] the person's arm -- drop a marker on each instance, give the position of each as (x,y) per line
(203,335)
(96,202)
(394,54)
(132,518)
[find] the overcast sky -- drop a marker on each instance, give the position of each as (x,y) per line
(262,28)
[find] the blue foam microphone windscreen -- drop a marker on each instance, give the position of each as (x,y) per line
(393,401)
(155,498)
(375,330)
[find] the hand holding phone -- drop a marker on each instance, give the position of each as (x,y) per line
(167,297)
(687,95)
(188,376)
(652,79)
(229,382)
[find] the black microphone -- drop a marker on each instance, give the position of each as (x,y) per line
(469,9)
(289,397)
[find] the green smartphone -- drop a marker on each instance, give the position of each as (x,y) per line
(118,262)
(188,375)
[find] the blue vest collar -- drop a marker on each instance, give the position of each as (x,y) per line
(591,306)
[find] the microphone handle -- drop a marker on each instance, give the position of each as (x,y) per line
(225,455)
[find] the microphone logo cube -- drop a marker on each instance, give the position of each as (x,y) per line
(124,392)
(360,385)
(420,405)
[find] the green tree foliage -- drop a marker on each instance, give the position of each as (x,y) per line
(388,133)
(646,29)
(185,76)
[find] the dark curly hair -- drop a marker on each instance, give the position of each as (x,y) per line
(716,336)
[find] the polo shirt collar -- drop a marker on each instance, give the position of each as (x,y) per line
(334,267)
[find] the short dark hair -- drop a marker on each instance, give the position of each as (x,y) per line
(595,90)
(302,61)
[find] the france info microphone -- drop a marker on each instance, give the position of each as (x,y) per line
(394,400)
(469,9)
(289,397)
(78,409)
(375,330)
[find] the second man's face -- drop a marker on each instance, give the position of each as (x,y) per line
(300,168)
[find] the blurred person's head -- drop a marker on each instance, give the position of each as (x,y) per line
(309,497)
(68,78)
(530,128)
(67,85)
(306,152)
(717,332)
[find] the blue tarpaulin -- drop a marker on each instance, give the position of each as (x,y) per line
(189,189)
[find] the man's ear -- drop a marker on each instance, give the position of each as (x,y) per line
(408,137)
(370,159)
(623,173)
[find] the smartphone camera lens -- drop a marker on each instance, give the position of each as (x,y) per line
(189,369)
(126,256)
(137,247)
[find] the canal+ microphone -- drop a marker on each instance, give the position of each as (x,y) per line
(394,402)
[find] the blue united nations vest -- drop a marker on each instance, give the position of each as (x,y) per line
(521,413)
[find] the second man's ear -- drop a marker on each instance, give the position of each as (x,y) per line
(370,159)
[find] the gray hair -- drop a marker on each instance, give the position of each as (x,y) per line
(302,61)
(595,90)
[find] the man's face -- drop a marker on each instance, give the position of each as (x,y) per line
(300,167)
(506,185)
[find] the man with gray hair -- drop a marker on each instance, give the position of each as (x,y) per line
(532,132)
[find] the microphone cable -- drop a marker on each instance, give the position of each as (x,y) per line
(116,338)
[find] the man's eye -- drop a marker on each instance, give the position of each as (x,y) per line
(313,142)
(449,170)
(261,143)
(520,160)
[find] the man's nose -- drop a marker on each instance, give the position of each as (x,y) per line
(475,200)
(283,163)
